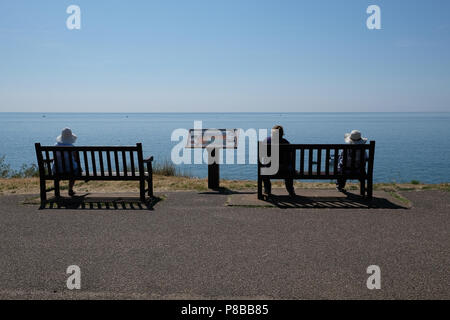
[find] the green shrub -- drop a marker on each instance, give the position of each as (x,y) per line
(415,182)
(168,169)
(5,169)
(25,171)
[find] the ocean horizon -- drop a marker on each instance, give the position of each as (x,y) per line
(409,145)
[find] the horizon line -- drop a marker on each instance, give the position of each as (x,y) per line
(215,112)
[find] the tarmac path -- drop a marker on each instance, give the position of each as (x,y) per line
(194,246)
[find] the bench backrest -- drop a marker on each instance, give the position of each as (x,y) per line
(114,162)
(321,160)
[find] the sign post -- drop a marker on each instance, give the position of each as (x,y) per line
(213,170)
(213,140)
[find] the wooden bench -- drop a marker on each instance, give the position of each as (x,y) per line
(320,161)
(108,163)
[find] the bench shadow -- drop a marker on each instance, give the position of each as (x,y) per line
(351,201)
(225,191)
(83,202)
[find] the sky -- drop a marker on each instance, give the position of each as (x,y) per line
(225,56)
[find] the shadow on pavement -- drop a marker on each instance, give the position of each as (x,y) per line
(350,202)
(100,203)
(220,190)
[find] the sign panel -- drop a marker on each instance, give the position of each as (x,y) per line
(213,138)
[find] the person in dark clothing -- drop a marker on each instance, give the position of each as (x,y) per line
(350,138)
(286,164)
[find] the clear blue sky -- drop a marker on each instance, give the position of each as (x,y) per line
(227,55)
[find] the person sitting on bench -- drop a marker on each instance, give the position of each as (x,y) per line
(285,164)
(350,138)
(67,138)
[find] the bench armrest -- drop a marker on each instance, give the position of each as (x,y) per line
(149,159)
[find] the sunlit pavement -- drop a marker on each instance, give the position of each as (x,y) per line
(193,245)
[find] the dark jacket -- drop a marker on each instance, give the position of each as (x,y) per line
(347,165)
(286,158)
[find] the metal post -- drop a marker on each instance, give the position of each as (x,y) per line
(213,171)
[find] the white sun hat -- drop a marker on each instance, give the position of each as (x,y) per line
(354,137)
(66,136)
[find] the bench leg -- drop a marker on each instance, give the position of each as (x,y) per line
(57,189)
(362,187)
(150,187)
(260,194)
(142,190)
(150,179)
(370,188)
(43,193)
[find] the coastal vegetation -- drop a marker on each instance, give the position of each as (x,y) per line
(19,185)
(163,168)
(167,177)
(25,171)
(168,169)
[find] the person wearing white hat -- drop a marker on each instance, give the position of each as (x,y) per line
(353,137)
(67,139)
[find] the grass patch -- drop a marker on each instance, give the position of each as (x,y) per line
(399,197)
(406,188)
(181,183)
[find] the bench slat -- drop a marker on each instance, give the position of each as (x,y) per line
(88,148)
(116,161)
(132,163)
(86,162)
(324,146)
(102,167)
(327,162)
(336,160)
(108,159)
(94,165)
(310,161)
(319,159)
(106,177)
(124,161)
(316,175)
(302,161)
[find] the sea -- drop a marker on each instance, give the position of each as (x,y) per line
(409,146)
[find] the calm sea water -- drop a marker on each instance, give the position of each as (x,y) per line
(409,145)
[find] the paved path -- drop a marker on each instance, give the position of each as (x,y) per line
(193,246)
